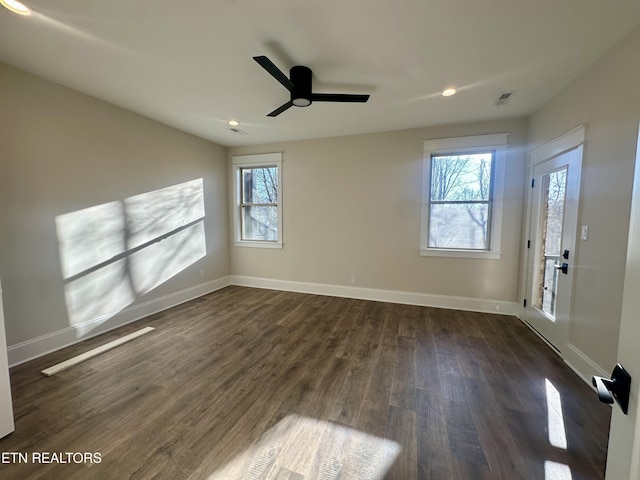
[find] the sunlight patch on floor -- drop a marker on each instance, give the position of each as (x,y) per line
(311,448)
(557,433)
(556,471)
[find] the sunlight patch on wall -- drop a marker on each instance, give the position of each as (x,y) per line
(297,446)
(113,253)
(173,214)
(557,433)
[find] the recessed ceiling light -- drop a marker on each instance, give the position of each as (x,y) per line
(448,92)
(16,7)
(233,123)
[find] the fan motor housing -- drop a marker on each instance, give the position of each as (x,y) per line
(298,84)
(301,92)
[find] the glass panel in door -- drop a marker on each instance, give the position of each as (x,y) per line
(549,254)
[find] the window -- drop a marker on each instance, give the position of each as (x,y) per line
(460,200)
(257,192)
(462,196)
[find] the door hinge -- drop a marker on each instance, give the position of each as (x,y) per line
(528,243)
(524,304)
(533,182)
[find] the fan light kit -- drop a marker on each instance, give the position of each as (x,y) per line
(299,84)
(16,7)
(448,92)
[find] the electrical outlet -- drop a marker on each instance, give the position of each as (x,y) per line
(354,280)
(584,232)
(201,273)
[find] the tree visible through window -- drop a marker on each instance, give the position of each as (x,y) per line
(259,203)
(460,201)
(554,186)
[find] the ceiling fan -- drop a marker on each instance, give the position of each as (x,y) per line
(299,84)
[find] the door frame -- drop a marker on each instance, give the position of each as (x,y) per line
(6,408)
(570,140)
(623,461)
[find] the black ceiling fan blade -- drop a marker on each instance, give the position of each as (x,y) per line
(275,72)
(280,109)
(339,97)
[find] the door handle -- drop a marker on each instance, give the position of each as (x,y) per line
(564,268)
(617,388)
(603,386)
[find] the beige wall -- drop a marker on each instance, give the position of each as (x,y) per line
(352,207)
(60,152)
(607,98)
(351,204)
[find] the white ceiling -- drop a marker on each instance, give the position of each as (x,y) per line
(189,63)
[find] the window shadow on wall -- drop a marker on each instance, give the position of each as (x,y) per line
(114,253)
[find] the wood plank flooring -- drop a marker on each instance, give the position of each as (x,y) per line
(257,384)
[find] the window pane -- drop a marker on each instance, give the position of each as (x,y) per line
(554,186)
(260,185)
(459,225)
(461,177)
(260,223)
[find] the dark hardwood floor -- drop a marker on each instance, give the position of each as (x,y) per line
(251,384)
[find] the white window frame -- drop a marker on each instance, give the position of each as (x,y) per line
(461,145)
(255,161)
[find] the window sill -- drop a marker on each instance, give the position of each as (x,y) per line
(442,252)
(258,244)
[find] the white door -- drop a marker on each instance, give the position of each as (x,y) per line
(553,217)
(623,457)
(6,408)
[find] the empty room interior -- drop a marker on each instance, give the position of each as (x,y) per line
(342,240)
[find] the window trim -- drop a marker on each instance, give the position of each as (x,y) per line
(461,145)
(255,161)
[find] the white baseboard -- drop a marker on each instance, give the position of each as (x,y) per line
(392,296)
(51,342)
(582,364)
(25,351)
(575,359)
